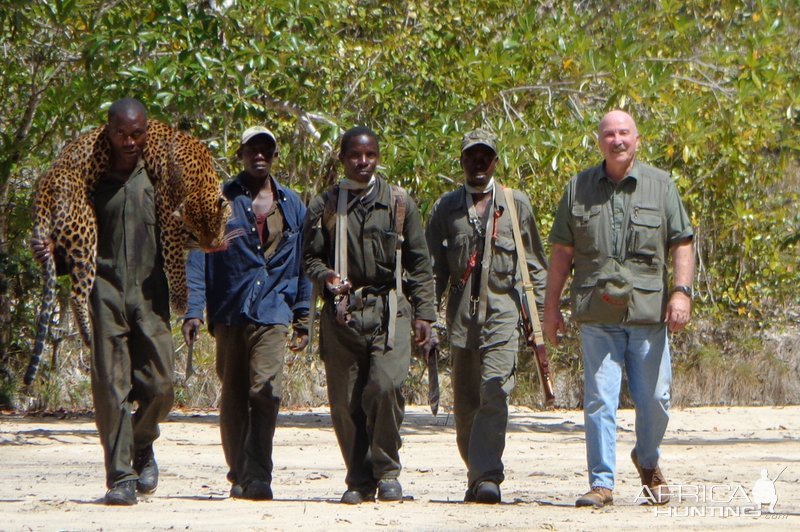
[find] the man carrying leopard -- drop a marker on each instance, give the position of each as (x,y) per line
(132,349)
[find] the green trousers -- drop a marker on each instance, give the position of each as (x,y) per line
(365,380)
(250,366)
(132,363)
(482,381)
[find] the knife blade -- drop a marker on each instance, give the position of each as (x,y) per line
(433,379)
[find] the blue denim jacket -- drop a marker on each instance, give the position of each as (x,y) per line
(238,284)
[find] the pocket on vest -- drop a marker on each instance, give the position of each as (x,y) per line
(647,301)
(645,232)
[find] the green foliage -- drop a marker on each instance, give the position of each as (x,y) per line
(713,85)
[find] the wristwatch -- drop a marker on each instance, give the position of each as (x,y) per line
(682,288)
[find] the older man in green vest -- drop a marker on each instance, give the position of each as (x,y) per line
(616,225)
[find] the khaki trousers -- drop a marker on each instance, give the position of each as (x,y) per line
(365,381)
(482,381)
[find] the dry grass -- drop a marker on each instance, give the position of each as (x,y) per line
(730,363)
(715,362)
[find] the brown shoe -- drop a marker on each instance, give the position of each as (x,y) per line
(654,480)
(597,497)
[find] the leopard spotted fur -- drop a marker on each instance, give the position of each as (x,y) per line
(188,202)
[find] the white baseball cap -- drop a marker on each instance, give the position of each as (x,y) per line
(251,132)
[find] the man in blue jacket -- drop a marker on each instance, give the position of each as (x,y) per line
(254,291)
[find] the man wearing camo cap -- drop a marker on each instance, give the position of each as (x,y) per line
(473,253)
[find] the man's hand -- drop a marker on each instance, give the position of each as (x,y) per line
(299,340)
(422,334)
(560,267)
(427,349)
(553,325)
(679,308)
(334,284)
(190,330)
(42,249)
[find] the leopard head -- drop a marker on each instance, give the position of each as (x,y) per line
(189,184)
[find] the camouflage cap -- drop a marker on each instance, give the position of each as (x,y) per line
(479,136)
(252,132)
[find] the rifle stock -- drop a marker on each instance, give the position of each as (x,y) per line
(546,380)
(539,353)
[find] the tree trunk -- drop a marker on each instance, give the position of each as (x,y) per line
(5,300)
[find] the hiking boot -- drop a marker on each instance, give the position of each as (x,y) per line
(654,480)
(255,490)
(469,495)
(598,497)
(122,494)
(357,496)
(390,490)
(144,463)
(487,492)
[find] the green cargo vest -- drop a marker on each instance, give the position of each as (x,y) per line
(635,251)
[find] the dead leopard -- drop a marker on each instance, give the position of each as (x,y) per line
(190,207)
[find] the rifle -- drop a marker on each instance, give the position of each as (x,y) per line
(534,339)
(530,317)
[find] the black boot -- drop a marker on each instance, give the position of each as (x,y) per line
(122,494)
(487,492)
(144,463)
(390,490)
(255,490)
(358,495)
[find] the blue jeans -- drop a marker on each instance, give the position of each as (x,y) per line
(644,352)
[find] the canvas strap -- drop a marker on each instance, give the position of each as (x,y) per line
(399,220)
(522,261)
(478,298)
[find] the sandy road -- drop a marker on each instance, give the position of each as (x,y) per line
(51,476)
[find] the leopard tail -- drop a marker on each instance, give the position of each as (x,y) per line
(43,320)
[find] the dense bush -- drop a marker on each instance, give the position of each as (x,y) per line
(713,85)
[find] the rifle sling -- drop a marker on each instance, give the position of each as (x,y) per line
(399,221)
(522,261)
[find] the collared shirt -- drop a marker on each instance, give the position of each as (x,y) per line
(130,266)
(240,284)
(371,243)
(634,221)
(452,238)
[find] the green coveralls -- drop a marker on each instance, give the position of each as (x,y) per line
(484,354)
(364,376)
(132,355)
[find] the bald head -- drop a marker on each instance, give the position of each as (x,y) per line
(127,107)
(618,140)
(618,117)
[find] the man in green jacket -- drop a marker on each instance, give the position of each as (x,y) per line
(615,225)
(132,351)
(472,249)
(352,242)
